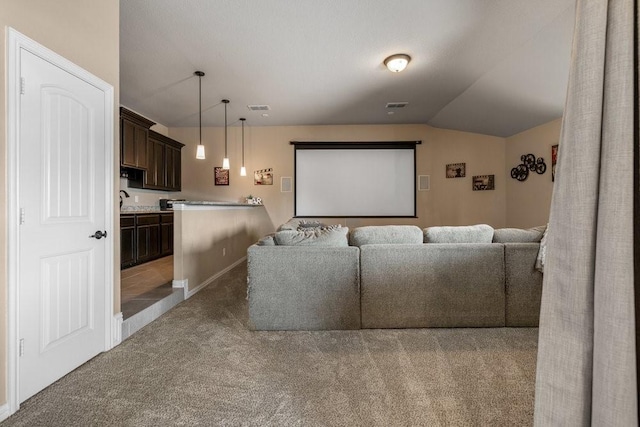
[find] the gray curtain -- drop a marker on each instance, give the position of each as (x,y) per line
(587,372)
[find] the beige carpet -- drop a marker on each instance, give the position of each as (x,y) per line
(200,365)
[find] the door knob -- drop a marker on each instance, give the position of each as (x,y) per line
(99,235)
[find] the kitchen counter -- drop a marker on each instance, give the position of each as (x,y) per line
(141,209)
(209,205)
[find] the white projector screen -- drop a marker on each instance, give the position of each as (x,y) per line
(355,182)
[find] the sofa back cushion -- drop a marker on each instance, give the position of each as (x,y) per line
(297,224)
(334,236)
(381,234)
(481,233)
(518,235)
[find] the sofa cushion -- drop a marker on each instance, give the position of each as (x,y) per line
(481,233)
(385,234)
(333,236)
(268,240)
(518,235)
(297,224)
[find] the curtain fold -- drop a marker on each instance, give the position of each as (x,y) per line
(586,371)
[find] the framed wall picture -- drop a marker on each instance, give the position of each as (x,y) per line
(484,182)
(554,160)
(263,177)
(221,176)
(456,170)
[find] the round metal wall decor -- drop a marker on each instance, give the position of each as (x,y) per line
(529,163)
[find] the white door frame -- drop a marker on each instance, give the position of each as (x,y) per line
(15,42)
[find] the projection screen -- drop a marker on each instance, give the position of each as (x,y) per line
(355,180)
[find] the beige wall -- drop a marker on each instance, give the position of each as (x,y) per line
(449,202)
(528,201)
(87,33)
(198,254)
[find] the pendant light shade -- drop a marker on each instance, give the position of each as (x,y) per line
(225,161)
(243,171)
(200,149)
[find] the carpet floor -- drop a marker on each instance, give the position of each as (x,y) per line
(199,365)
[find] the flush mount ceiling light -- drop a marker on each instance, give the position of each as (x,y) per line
(225,161)
(397,63)
(200,149)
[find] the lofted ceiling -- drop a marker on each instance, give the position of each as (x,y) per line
(494,67)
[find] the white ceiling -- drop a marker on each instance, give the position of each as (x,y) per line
(494,67)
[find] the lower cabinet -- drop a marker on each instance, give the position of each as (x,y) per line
(150,238)
(127,241)
(166,234)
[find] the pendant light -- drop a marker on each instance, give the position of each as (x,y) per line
(225,161)
(200,149)
(243,170)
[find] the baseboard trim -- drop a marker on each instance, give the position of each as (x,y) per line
(4,412)
(116,329)
(207,282)
(180,283)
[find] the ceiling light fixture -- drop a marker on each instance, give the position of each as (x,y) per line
(200,149)
(397,63)
(225,161)
(243,170)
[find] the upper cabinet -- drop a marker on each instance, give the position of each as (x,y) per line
(134,135)
(152,160)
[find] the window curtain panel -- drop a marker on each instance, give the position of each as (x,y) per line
(587,366)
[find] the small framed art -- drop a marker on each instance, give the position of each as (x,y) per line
(456,170)
(554,160)
(484,182)
(221,176)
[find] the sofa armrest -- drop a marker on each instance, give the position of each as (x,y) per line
(523,284)
(303,288)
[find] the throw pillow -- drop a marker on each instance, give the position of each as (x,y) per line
(267,240)
(377,234)
(518,235)
(333,236)
(481,233)
(542,252)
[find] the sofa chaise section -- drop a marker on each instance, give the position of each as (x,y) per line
(304,287)
(432,285)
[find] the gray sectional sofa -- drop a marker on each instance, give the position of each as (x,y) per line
(310,277)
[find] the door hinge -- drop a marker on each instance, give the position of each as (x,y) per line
(22,216)
(22,85)
(21,347)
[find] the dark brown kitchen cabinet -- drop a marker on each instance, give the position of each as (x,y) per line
(155,177)
(166,233)
(127,241)
(134,135)
(145,237)
(164,165)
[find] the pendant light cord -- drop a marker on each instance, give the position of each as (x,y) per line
(200,105)
(225,129)
(242,142)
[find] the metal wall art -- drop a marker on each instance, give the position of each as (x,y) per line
(529,163)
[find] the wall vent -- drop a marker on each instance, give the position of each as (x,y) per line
(396,104)
(257,107)
(424,182)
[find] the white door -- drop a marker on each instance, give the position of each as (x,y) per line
(61,195)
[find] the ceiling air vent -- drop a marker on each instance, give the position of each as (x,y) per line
(258,107)
(396,104)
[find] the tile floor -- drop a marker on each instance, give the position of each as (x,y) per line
(143,285)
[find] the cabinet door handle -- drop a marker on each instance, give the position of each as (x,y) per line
(98,235)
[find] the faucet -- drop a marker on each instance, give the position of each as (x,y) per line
(125,194)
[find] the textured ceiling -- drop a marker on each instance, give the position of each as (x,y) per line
(494,67)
